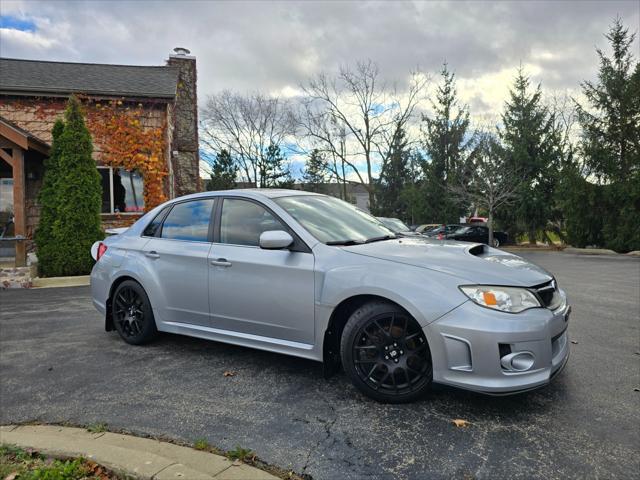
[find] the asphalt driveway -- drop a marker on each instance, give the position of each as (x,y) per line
(58,365)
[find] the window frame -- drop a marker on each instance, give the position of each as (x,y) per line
(111,192)
(298,244)
(162,213)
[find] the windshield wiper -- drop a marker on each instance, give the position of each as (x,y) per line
(380,239)
(346,242)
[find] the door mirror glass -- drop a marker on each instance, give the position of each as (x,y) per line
(275,240)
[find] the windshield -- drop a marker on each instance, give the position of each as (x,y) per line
(462,230)
(394,224)
(334,221)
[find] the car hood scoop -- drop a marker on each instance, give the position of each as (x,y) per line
(474,263)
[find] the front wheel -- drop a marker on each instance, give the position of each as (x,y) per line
(132,313)
(385,353)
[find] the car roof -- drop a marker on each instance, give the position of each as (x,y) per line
(251,193)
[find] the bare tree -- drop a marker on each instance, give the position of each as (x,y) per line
(247,126)
(352,118)
(489,181)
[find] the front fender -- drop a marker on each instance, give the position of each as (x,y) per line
(425,294)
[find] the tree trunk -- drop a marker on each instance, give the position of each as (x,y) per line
(490,227)
(532,238)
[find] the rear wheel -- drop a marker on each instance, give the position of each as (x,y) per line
(386,354)
(132,313)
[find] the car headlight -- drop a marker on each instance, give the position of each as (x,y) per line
(506,299)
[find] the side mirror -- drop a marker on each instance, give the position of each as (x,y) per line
(275,240)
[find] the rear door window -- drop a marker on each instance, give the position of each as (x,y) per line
(189,221)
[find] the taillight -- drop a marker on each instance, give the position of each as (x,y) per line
(102,249)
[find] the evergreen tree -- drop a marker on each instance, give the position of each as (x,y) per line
(446,145)
(45,244)
(610,144)
(395,177)
(530,138)
(223,172)
(272,170)
(314,176)
(78,198)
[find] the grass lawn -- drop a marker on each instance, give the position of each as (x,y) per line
(25,464)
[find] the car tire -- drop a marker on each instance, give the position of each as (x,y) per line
(496,242)
(386,354)
(132,314)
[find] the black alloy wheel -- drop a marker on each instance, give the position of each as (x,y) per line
(132,313)
(386,353)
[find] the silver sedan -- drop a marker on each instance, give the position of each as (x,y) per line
(312,276)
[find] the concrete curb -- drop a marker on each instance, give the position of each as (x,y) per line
(514,248)
(51,282)
(140,458)
(590,251)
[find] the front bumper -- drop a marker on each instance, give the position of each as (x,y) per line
(467,345)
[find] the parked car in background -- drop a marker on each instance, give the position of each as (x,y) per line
(442,230)
(311,276)
(398,227)
(478,234)
(425,227)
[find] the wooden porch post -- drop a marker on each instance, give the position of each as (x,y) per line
(20,221)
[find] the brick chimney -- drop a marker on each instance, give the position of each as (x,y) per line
(185,158)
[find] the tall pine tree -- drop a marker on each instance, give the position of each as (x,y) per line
(272,169)
(395,177)
(314,176)
(445,143)
(45,243)
(78,198)
(610,143)
(223,172)
(530,138)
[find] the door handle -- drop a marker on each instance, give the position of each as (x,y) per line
(152,254)
(221,262)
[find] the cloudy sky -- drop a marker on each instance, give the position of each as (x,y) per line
(273,46)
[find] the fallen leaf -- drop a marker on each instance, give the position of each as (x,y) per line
(237,462)
(574,342)
(636,389)
(458,422)
(11,476)
(229,374)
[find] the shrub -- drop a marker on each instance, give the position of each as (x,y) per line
(77,198)
(47,199)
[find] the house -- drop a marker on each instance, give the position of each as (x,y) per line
(144,124)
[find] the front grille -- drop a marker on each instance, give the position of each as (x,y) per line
(548,294)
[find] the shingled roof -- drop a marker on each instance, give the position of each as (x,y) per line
(62,78)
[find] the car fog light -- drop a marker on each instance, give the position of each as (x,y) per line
(518,361)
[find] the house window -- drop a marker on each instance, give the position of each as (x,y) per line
(121,190)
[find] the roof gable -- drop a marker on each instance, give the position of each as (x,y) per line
(42,77)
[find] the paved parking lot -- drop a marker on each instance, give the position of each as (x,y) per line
(58,365)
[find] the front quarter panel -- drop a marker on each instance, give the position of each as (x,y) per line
(425,294)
